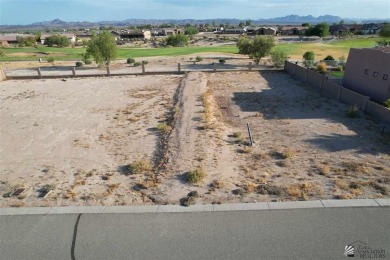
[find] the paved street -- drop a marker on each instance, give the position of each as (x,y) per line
(272,234)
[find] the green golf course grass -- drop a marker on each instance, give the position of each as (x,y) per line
(294,50)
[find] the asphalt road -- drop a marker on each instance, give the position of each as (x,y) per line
(272,234)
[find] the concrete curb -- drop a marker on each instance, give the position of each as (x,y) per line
(197,208)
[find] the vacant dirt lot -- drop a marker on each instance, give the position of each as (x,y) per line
(78,135)
(134,140)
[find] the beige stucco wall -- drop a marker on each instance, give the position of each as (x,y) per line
(372,60)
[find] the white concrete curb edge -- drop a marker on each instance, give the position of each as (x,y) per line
(197,207)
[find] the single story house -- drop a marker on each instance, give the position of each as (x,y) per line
(167,31)
(367,72)
(11,38)
(371,28)
(234,31)
(338,29)
(293,30)
(81,36)
(132,34)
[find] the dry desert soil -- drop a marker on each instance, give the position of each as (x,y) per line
(135,140)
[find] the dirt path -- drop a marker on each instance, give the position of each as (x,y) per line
(185,136)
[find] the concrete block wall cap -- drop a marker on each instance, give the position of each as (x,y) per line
(350,203)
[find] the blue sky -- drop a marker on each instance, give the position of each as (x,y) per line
(29,11)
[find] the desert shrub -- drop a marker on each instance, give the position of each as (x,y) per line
(329,57)
(340,68)
(139,167)
(278,57)
(237,135)
(164,127)
(88,62)
(353,111)
(196,176)
(321,67)
(387,103)
(145,62)
(222,60)
(190,199)
(130,60)
(136,64)
(79,64)
(198,58)
(50,59)
(341,184)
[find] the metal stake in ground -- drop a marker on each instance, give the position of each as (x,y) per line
(250,135)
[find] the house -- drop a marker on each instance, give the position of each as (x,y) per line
(70,36)
(83,36)
(260,30)
(293,30)
(266,31)
(338,29)
(132,34)
(174,31)
(367,72)
(234,31)
(11,38)
(371,28)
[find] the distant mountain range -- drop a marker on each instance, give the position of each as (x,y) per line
(290,19)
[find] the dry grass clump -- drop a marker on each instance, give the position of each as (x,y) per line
(261,156)
(289,153)
(341,184)
(271,190)
(294,190)
(207,113)
(380,188)
(218,184)
(111,188)
(246,149)
(304,190)
(355,167)
(139,167)
(324,170)
(196,176)
(353,111)
(149,182)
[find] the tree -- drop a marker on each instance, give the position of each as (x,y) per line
(244,45)
(248,23)
(178,40)
(2,53)
(26,41)
(385,31)
(278,57)
(241,24)
(190,31)
(305,24)
(58,40)
(321,30)
(257,48)
(102,48)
